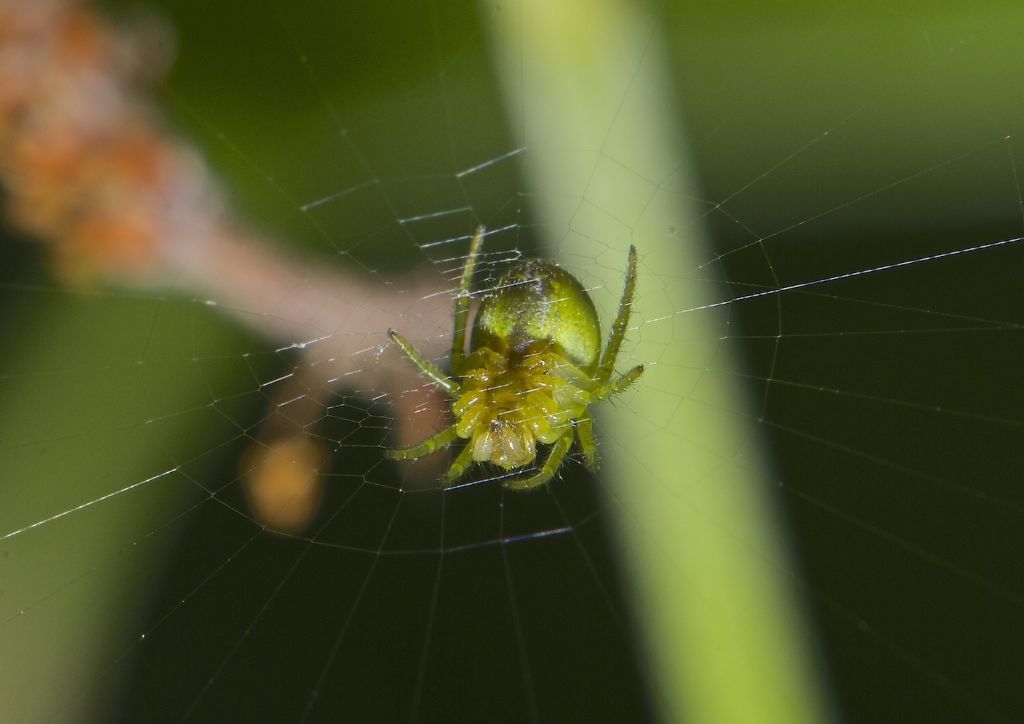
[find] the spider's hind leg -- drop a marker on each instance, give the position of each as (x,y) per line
(459,466)
(431,444)
(588,444)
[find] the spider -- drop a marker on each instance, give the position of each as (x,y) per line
(534,369)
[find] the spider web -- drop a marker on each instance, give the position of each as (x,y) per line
(859,190)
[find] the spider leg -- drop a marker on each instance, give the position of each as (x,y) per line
(462,303)
(613,388)
(611,351)
(585,432)
(550,467)
(426,368)
(431,444)
(459,466)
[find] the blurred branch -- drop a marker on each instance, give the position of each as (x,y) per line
(91,171)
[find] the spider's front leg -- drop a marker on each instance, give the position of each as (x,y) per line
(611,350)
(458,357)
(548,470)
(610,389)
(425,368)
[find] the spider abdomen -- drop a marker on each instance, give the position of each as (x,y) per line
(537,301)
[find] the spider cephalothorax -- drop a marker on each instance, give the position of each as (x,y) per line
(534,368)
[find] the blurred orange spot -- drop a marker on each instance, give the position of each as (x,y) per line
(283,482)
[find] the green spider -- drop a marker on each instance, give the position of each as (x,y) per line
(534,369)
